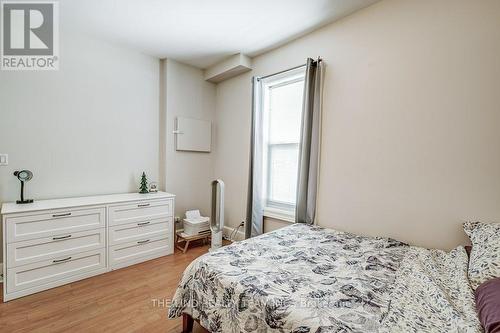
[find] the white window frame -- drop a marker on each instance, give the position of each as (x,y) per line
(272,208)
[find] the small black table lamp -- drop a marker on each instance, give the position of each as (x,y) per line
(23,176)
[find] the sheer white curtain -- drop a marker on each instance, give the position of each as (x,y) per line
(255,206)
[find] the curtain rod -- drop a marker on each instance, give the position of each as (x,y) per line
(286,70)
(283,71)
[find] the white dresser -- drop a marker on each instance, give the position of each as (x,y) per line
(53,242)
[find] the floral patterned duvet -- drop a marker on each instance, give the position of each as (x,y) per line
(308,279)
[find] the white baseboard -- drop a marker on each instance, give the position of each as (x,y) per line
(239,235)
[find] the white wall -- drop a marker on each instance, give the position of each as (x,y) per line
(89,128)
(410,145)
(187,174)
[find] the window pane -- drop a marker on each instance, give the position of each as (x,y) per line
(283,166)
(285,112)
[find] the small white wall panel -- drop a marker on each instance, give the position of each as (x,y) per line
(193,135)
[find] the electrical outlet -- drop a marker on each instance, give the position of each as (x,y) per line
(4,159)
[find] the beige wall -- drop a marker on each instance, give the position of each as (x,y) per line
(89,128)
(410,145)
(186,174)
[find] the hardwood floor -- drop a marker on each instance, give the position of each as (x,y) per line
(118,301)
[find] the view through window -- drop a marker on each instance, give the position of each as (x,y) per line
(282,111)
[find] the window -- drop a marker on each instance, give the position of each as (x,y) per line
(282,114)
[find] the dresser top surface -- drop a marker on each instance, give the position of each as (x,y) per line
(12,207)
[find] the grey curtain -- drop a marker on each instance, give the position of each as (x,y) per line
(255,219)
(307,182)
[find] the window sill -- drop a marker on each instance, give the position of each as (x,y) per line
(279,214)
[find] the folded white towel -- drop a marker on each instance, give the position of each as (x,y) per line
(198,220)
(194,216)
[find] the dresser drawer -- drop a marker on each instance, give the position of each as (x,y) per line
(34,250)
(124,233)
(37,274)
(137,249)
(54,222)
(140,211)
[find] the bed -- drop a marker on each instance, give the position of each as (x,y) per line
(309,279)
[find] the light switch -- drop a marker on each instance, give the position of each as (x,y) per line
(4,159)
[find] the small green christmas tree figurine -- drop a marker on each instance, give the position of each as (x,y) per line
(144,184)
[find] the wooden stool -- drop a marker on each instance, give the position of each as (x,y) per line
(180,237)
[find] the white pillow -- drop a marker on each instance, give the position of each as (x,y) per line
(484,262)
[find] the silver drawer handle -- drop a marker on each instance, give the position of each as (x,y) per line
(143,242)
(143,223)
(61,215)
(61,260)
(143,205)
(62,237)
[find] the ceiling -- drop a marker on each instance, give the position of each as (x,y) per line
(203,32)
